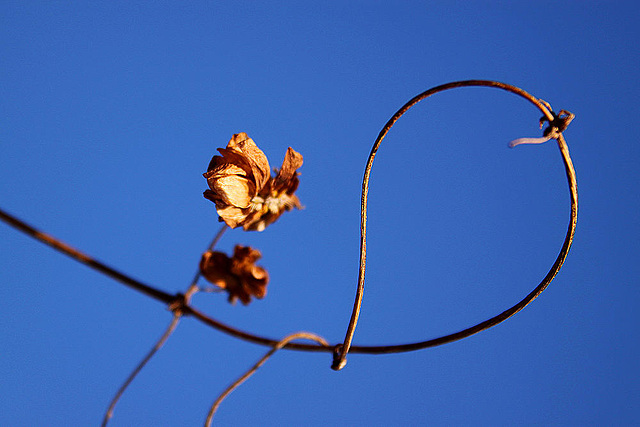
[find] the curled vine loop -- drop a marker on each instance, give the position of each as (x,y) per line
(557,125)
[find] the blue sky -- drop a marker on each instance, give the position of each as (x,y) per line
(111,112)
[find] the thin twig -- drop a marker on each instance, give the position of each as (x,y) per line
(243,378)
(177,314)
(156,347)
(85,259)
(193,287)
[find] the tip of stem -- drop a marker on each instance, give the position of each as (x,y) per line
(339,361)
(339,364)
(527,141)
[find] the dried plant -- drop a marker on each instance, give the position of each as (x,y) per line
(238,275)
(246,195)
(242,188)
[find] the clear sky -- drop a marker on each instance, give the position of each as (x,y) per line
(111,111)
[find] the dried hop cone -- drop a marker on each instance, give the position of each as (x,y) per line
(241,185)
(238,275)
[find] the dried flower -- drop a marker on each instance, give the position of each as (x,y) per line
(242,188)
(238,275)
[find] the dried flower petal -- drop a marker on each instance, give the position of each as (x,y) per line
(241,186)
(255,157)
(234,190)
(292,161)
(238,275)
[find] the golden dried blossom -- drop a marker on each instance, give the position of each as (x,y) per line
(238,275)
(242,188)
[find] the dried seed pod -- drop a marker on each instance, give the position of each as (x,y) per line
(242,188)
(238,275)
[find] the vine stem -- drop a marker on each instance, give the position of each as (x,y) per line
(134,373)
(86,259)
(246,375)
(340,350)
(177,315)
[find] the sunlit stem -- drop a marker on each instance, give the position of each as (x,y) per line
(243,378)
(158,346)
(177,314)
(528,141)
